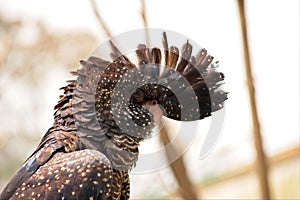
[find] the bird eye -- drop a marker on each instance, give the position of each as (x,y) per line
(154,102)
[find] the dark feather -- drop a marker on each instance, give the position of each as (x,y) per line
(100,120)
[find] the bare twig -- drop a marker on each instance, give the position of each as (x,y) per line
(178,167)
(261,158)
(145,21)
(101,22)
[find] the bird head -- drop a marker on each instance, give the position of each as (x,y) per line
(132,98)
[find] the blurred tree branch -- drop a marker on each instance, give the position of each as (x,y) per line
(178,167)
(261,158)
(145,21)
(101,21)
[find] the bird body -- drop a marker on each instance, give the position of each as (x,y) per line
(106,112)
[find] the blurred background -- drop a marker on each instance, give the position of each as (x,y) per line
(41,41)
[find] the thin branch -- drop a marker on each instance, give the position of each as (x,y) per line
(145,21)
(101,21)
(178,167)
(261,158)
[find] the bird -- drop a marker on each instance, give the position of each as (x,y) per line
(106,111)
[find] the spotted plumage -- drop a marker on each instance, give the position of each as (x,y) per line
(79,173)
(106,112)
